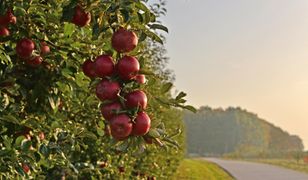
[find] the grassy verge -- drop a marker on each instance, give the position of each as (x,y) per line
(199,169)
(286,163)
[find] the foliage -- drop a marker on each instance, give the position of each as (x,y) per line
(57,100)
(236,132)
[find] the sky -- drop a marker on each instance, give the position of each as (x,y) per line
(247,53)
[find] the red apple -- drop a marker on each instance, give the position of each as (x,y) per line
(140,78)
(142,124)
(136,99)
(81,18)
(4,31)
(44,48)
(108,110)
(26,168)
(88,68)
(107,90)
(124,40)
(121,127)
(34,62)
(104,66)
(7,18)
(10,17)
(24,48)
(128,67)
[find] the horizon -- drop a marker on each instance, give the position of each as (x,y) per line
(248,54)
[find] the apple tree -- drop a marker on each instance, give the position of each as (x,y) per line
(84,93)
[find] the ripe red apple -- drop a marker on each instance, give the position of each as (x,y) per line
(81,18)
(88,68)
(108,110)
(140,78)
(24,48)
(142,124)
(104,66)
(4,31)
(124,40)
(26,168)
(44,48)
(34,62)
(136,99)
(10,17)
(121,126)
(107,90)
(128,67)
(7,18)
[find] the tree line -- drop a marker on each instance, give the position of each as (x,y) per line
(237,133)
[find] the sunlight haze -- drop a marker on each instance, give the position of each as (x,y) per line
(247,53)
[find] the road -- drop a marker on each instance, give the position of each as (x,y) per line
(242,170)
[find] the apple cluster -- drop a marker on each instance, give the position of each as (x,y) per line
(25,48)
(5,20)
(114,75)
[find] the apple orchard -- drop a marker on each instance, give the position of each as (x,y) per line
(84,91)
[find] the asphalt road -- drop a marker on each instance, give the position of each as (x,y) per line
(242,170)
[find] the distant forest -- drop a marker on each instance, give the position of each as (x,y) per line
(236,132)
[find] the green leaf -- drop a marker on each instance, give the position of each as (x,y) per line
(69,10)
(142,6)
(146,72)
(153,133)
(95,31)
(89,135)
(69,29)
(19,140)
(20,171)
(190,108)
(180,96)
(166,87)
(125,15)
(10,118)
(25,145)
(100,132)
(123,146)
(44,150)
(158,26)
(153,36)
(142,37)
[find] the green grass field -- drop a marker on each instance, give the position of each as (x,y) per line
(286,163)
(194,169)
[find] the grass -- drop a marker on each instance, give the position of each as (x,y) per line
(194,169)
(286,163)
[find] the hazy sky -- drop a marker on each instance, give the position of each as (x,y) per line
(248,53)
